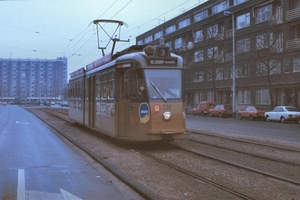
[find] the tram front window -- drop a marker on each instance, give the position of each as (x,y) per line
(163,84)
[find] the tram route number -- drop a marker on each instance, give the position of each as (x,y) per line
(166,107)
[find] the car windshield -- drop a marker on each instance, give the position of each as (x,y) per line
(165,84)
(291,109)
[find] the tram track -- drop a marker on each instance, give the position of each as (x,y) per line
(201,178)
(233,190)
(245,141)
(261,150)
(242,167)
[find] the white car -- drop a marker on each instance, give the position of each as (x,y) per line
(283,114)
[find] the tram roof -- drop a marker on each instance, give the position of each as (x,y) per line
(110,60)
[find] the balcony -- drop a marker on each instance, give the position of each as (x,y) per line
(276,19)
(293,14)
(293,44)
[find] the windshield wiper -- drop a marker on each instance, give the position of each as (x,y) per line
(157,90)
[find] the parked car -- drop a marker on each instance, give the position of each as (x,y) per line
(221,110)
(252,112)
(203,107)
(64,104)
(283,114)
(4,103)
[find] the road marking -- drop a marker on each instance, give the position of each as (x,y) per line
(68,196)
(17,122)
(37,195)
(21,193)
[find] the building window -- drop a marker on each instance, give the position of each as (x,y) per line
(227,73)
(158,35)
(261,69)
(287,67)
(210,96)
(262,96)
(212,31)
(243,70)
(219,7)
(278,44)
(275,66)
(212,52)
(200,16)
(198,36)
(237,2)
(243,21)
(178,43)
(198,77)
(198,56)
(219,73)
(148,39)
(268,68)
(209,75)
(170,29)
(263,14)
(169,44)
(243,46)
(296,64)
(199,96)
(184,23)
(244,96)
(264,41)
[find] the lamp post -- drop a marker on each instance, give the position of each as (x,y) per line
(227,13)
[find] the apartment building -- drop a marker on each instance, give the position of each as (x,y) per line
(33,80)
(265,54)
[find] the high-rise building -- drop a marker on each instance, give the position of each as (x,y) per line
(265,51)
(33,80)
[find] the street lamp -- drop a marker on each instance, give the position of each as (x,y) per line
(227,13)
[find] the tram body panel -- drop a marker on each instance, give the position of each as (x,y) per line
(76,111)
(176,123)
(76,96)
(104,119)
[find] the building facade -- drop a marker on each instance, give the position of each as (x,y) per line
(265,54)
(33,80)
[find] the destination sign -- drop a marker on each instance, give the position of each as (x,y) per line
(77,72)
(101,61)
(152,61)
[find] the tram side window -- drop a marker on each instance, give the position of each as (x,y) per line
(141,89)
(98,91)
(105,88)
(134,84)
(111,89)
(111,84)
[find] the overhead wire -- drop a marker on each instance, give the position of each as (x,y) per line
(110,18)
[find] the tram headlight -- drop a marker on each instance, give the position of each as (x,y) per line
(149,50)
(167,116)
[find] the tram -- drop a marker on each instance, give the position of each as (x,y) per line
(135,94)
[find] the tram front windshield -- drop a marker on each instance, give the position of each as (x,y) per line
(163,84)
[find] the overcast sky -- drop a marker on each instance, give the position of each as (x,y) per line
(47,29)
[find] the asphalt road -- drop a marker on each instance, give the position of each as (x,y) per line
(37,164)
(275,130)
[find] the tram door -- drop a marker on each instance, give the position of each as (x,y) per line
(91,101)
(124,103)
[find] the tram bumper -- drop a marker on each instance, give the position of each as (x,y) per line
(166,132)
